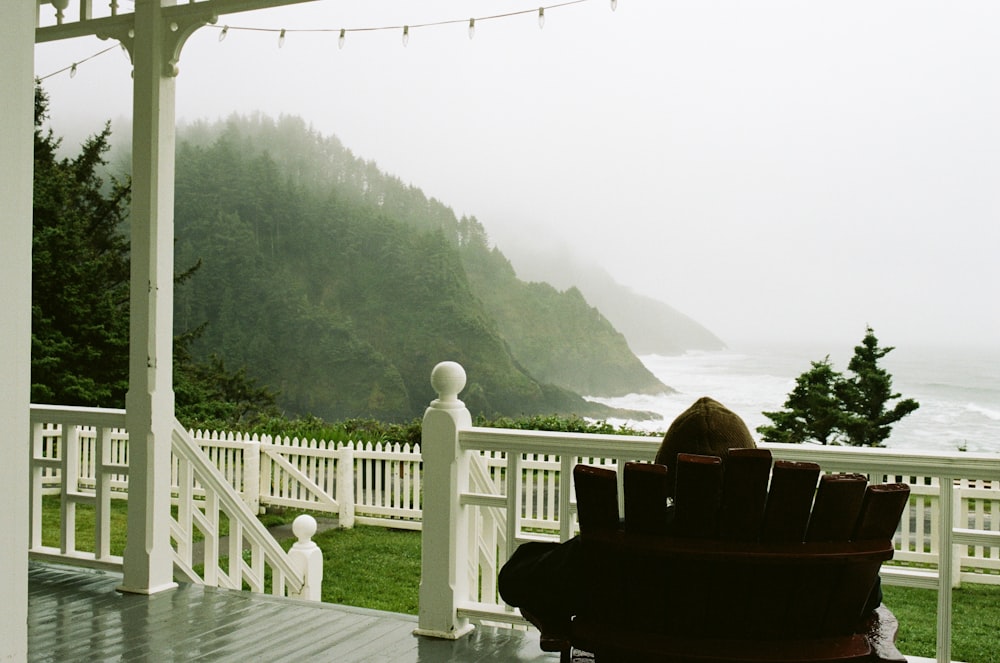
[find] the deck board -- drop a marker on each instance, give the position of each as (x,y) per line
(76,614)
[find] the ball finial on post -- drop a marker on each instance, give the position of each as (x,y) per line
(448,379)
(304,527)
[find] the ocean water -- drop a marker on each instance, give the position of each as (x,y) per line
(958,391)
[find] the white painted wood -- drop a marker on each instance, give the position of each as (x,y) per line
(445,551)
(16,162)
(307,558)
(946,571)
(345,486)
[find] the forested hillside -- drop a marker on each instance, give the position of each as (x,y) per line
(340,287)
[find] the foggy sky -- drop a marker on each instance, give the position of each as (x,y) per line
(777,170)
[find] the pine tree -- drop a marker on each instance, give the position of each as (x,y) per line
(826,406)
(812,410)
(865,396)
(80,272)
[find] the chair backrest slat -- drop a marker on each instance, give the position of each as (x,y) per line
(697,494)
(789,501)
(645,498)
(744,494)
(596,498)
(836,508)
(880,513)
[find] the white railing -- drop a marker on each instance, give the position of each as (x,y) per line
(79,457)
(60,439)
(530,497)
(380,484)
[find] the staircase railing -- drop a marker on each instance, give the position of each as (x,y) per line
(217,538)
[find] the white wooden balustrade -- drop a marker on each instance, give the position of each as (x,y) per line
(235,548)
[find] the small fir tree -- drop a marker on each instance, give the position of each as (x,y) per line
(866,394)
(825,406)
(812,410)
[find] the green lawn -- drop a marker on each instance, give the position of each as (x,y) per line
(975,621)
(84,524)
(370,567)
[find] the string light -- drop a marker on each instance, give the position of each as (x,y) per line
(408,28)
(342,37)
(72,68)
(614,5)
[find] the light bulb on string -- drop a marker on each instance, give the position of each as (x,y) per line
(614,5)
(406,35)
(472,28)
(342,38)
(281,38)
(225,31)
(541,17)
(72,71)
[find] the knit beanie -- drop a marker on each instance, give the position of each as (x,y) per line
(707,428)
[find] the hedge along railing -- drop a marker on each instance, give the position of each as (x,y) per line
(80,454)
(453,593)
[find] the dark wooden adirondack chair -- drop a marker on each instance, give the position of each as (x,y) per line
(757,565)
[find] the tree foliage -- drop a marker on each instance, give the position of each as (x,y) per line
(340,287)
(812,409)
(866,395)
(80,295)
(826,406)
(80,273)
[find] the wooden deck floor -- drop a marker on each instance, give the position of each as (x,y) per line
(76,615)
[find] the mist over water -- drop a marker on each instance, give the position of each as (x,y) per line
(958,391)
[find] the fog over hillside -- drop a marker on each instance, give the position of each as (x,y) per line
(779,171)
(650,325)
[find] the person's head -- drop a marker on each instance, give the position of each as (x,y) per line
(707,428)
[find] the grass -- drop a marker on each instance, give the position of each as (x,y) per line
(85,515)
(370,567)
(975,621)
(51,519)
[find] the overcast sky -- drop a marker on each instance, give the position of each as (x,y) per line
(778,170)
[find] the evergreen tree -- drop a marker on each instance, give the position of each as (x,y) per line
(80,273)
(826,406)
(865,396)
(80,295)
(812,410)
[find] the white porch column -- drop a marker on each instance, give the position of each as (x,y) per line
(148,565)
(444,575)
(17,34)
